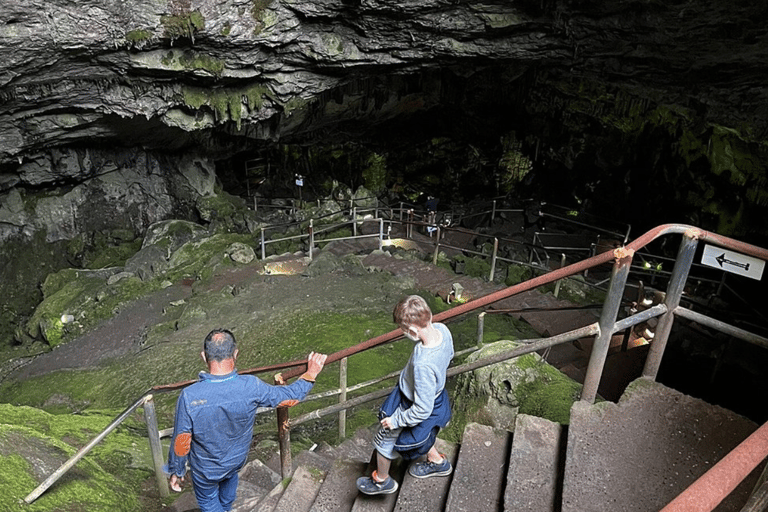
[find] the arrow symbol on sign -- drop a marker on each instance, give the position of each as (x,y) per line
(722,259)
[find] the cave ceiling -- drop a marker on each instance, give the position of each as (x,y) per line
(233,75)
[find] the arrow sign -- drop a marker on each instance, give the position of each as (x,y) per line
(733,262)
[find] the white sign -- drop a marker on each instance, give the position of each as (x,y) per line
(733,262)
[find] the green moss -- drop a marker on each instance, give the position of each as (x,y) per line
(112,255)
(138,36)
(258,8)
(86,297)
(550,395)
(183,25)
(29,434)
(474,266)
(226,103)
(226,29)
(375,172)
(192,60)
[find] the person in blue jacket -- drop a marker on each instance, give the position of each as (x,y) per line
(418,407)
(214,421)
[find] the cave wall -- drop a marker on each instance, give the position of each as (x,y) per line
(93,202)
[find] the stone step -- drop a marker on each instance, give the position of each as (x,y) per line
(256,480)
(382,502)
(534,474)
(338,492)
(427,493)
(640,453)
(479,476)
(302,490)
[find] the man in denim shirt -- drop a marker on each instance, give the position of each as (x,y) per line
(214,421)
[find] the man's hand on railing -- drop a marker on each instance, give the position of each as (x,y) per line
(315,363)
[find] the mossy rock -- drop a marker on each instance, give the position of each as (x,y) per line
(32,447)
(527,383)
(172,234)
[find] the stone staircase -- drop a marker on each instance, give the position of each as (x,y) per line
(632,456)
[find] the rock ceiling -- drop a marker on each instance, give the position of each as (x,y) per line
(197,73)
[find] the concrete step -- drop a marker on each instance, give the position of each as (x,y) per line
(338,492)
(256,481)
(479,476)
(427,494)
(268,502)
(382,502)
(640,453)
(302,490)
(534,474)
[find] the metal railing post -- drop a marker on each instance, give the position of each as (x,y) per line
(284,439)
(557,284)
(263,246)
(343,397)
(410,224)
(493,212)
(354,221)
(381,234)
(493,259)
(155,447)
(311,239)
(437,247)
(672,299)
(480,329)
(607,322)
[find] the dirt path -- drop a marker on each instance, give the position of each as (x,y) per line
(118,336)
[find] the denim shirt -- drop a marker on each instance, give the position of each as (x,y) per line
(218,411)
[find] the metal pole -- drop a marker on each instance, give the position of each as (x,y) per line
(354,221)
(480,329)
(311,239)
(284,439)
(263,246)
(381,234)
(343,397)
(493,258)
(155,447)
(607,320)
(81,453)
(437,246)
(493,212)
(557,284)
(672,299)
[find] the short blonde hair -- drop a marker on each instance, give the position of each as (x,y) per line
(412,310)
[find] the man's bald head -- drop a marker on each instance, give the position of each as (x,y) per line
(219,345)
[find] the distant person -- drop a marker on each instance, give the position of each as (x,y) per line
(431,205)
(214,421)
(533,216)
(418,407)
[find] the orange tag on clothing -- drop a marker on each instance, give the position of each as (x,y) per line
(287,403)
(181,446)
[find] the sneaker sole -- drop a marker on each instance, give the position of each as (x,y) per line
(438,473)
(384,491)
